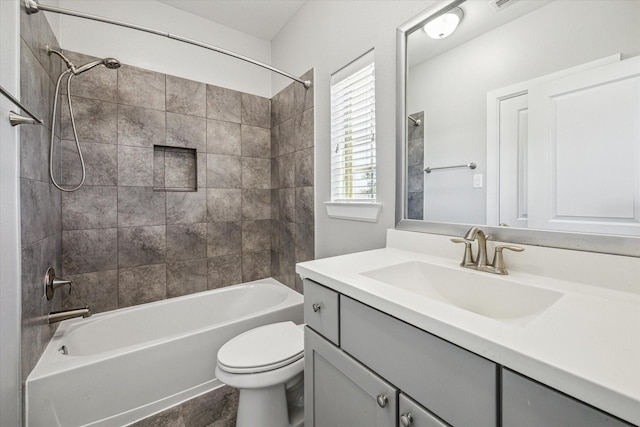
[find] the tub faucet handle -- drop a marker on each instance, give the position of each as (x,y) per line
(51,283)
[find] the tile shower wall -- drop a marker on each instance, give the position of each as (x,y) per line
(126,244)
(39,200)
(415,162)
(292,178)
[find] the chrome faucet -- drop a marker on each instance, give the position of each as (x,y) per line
(476,233)
(59,316)
(497,266)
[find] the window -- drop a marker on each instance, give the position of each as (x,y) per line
(353,132)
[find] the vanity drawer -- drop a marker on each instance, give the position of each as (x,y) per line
(526,403)
(410,414)
(321,310)
(456,385)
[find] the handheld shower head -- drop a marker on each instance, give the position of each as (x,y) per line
(110,63)
(86,67)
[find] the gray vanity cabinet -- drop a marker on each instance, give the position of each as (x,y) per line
(456,385)
(340,392)
(452,383)
(355,354)
(526,403)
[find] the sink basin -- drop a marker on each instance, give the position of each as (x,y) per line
(491,296)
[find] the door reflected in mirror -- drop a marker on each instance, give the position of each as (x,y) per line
(544,97)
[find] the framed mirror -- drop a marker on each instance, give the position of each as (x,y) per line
(525,120)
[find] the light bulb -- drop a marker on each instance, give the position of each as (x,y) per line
(444,25)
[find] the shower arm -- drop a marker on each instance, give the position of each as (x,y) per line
(32,6)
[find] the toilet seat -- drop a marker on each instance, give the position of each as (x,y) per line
(262,349)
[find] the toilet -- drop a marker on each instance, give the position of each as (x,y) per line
(267,365)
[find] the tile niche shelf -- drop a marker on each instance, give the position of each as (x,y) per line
(174,169)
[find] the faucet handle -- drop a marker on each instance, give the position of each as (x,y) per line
(467,258)
(51,283)
(498,258)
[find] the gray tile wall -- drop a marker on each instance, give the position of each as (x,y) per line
(415,160)
(292,178)
(39,200)
(148,245)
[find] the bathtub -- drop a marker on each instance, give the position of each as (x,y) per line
(118,367)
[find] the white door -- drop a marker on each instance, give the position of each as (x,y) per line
(584,151)
(513,136)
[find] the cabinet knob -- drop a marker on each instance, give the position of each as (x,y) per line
(316,307)
(406,419)
(382,400)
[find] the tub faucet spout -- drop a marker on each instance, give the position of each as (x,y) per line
(59,316)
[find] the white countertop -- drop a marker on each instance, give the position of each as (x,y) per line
(586,345)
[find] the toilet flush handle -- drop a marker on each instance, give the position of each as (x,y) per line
(316,307)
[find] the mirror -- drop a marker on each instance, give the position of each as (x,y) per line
(525,119)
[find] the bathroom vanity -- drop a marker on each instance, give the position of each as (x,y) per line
(387,344)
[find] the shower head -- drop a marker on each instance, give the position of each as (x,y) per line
(110,63)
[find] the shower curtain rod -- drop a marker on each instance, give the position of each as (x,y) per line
(32,6)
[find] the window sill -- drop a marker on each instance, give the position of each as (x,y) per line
(354,211)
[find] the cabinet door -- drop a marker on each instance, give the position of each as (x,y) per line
(411,414)
(340,392)
(526,403)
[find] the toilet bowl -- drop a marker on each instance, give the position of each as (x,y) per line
(266,364)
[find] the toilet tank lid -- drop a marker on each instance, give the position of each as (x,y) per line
(263,347)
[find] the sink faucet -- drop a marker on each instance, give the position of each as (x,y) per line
(59,316)
(497,266)
(476,233)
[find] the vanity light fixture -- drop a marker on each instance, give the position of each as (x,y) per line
(444,25)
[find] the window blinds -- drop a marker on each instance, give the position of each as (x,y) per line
(353,135)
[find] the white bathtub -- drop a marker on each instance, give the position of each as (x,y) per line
(125,365)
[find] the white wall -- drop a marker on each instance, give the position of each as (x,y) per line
(52,18)
(327,35)
(162,54)
(10,408)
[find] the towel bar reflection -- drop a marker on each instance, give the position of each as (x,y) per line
(18,119)
(471,165)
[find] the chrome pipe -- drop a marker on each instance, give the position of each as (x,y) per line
(32,6)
